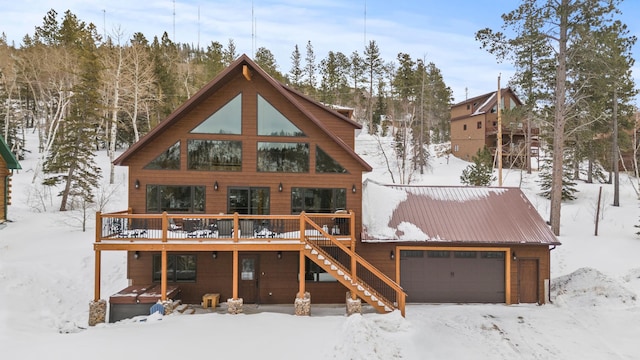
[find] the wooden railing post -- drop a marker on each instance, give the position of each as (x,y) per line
(165,226)
(98,226)
(352,229)
(236,227)
(303,217)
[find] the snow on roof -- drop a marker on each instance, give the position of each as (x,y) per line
(453,214)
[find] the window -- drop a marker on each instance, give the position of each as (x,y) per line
(175,198)
(465,254)
(464,127)
(254,201)
(214,155)
(438,254)
(326,164)
(272,123)
(411,254)
(456,148)
(283,157)
(318,200)
(479,125)
(168,160)
(227,120)
(180,268)
(492,254)
(468,107)
(315,273)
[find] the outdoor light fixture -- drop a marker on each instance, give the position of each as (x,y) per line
(513,256)
(215,186)
(279,254)
(136,255)
(214,255)
(280,187)
(392,255)
(137,184)
(353,189)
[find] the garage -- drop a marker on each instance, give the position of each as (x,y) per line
(452,276)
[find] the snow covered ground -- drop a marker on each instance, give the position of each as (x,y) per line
(46,284)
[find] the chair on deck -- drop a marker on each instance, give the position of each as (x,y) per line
(225,227)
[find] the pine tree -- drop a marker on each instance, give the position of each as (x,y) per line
(480,173)
(568,185)
(71,162)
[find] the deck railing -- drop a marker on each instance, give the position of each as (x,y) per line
(165,227)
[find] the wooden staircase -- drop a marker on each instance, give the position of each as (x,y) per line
(354,272)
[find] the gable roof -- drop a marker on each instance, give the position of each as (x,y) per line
(451,214)
(7,155)
(234,69)
(487,102)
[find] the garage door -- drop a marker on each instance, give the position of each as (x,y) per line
(453,276)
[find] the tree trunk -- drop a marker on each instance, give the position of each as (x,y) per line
(614,145)
(559,120)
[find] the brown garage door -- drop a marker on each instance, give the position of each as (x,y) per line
(452,276)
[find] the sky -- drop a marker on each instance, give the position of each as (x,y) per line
(441,32)
(47,273)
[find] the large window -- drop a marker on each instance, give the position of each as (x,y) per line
(175,198)
(168,160)
(254,201)
(326,164)
(180,268)
(283,157)
(318,200)
(215,155)
(271,122)
(227,120)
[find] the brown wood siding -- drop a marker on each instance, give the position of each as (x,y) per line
(469,140)
(542,255)
(277,278)
(216,201)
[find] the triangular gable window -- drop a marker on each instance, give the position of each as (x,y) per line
(326,164)
(227,120)
(168,160)
(272,123)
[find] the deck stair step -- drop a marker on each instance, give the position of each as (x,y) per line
(342,274)
(185,309)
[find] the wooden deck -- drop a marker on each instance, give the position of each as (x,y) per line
(327,239)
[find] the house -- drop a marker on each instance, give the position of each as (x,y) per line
(251,192)
(474,125)
(8,163)
(459,244)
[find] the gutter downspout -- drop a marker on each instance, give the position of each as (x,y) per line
(549,292)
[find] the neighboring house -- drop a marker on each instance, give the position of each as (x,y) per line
(459,244)
(474,124)
(8,163)
(251,192)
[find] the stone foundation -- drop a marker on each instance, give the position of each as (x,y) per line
(168,306)
(97,312)
(303,305)
(234,306)
(353,306)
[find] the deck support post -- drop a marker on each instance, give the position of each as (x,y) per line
(303,305)
(163,277)
(354,306)
(302,275)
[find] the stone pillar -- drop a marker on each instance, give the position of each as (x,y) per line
(168,306)
(353,306)
(97,312)
(234,306)
(303,305)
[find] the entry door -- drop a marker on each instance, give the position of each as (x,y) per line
(248,288)
(528,281)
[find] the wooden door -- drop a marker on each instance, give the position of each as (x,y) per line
(528,281)
(249,287)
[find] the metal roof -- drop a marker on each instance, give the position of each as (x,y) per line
(452,214)
(7,155)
